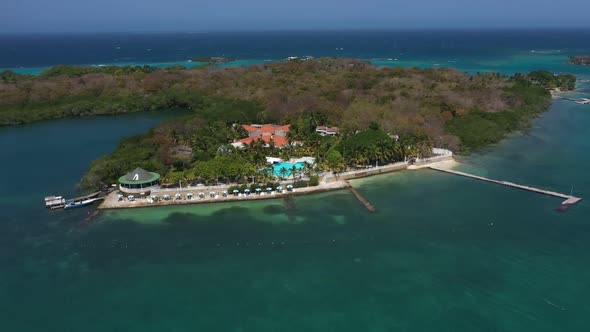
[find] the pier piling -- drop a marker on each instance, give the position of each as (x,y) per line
(361,199)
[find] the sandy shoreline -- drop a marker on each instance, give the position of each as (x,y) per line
(112,202)
(444,164)
(329,183)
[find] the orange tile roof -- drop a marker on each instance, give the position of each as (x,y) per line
(247,140)
(278,141)
(284,128)
(267,133)
(249,128)
(267,129)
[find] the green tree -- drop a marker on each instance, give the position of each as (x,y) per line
(283,171)
(294,171)
(335,161)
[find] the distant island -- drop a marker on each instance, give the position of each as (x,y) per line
(582,60)
(382,114)
(211,59)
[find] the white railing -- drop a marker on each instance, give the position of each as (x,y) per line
(440,154)
(372,169)
(137,190)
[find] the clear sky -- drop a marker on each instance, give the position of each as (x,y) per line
(210,15)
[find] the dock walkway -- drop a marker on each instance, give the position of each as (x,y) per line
(361,199)
(569,200)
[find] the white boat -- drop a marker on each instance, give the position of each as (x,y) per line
(70,204)
(59,202)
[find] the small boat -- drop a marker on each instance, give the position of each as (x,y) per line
(70,204)
(54,201)
(58,202)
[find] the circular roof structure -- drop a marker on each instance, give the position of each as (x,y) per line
(139,176)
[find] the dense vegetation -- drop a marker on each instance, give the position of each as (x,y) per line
(580,60)
(423,107)
(548,80)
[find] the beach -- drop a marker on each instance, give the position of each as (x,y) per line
(112,201)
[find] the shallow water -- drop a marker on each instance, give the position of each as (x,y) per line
(441,253)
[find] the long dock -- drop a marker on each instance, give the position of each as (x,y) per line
(360,197)
(584,101)
(569,200)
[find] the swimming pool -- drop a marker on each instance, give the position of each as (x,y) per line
(288,168)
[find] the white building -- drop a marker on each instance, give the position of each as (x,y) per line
(327,131)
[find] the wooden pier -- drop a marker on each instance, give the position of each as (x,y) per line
(58,202)
(569,200)
(361,199)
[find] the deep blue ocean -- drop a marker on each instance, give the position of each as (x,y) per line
(442,48)
(441,253)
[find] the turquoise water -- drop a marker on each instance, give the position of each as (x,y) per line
(442,253)
(277,168)
(520,61)
(187,64)
(501,51)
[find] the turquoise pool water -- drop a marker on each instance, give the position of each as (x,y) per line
(288,167)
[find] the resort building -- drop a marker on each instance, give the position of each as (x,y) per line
(327,131)
(139,181)
(269,133)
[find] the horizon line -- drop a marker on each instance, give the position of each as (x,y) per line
(286,30)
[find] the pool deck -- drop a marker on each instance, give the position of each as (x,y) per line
(277,168)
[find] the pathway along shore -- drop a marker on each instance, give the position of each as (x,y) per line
(112,201)
(329,182)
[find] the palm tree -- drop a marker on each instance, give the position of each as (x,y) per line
(294,171)
(283,171)
(307,169)
(399,151)
(364,159)
(375,153)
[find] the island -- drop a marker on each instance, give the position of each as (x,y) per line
(293,123)
(582,60)
(211,59)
